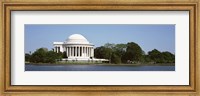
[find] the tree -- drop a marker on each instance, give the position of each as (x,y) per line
(64,54)
(133,52)
(113,52)
(121,53)
(42,55)
(51,57)
(116,59)
(103,52)
(120,49)
(155,55)
(144,56)
(27,57)
(98,52)
(109,45)
(147,59)
(38,56)
(168,57)
(161,57)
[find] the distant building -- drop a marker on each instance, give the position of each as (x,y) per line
(77,47)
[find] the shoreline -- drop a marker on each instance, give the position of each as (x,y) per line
(106,64)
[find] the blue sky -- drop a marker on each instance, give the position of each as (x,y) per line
(149,37)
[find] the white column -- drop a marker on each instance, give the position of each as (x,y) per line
(73,51)
(76,51)
(89,51)
(66,50)
(82,50)
(63,49)
(92,52)
(85,51)
(69,51)
(79,51)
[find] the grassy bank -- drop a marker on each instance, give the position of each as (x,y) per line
(91,63)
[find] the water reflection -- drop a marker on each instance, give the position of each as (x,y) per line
(31,67)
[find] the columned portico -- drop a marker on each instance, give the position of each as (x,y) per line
(78,51)
(76,47)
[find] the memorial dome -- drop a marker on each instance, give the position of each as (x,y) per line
(76,39)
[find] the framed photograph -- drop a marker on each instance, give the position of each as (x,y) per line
(93,47)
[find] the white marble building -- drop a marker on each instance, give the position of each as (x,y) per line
(77,47)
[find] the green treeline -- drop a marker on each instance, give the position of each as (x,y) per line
(42,55)
(116,54)
(132,53)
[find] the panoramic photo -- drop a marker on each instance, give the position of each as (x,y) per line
(99,47)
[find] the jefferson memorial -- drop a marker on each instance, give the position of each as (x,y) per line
(77,47)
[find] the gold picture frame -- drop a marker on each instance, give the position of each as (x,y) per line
(47,5)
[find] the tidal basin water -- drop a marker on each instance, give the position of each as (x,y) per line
(45,67)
